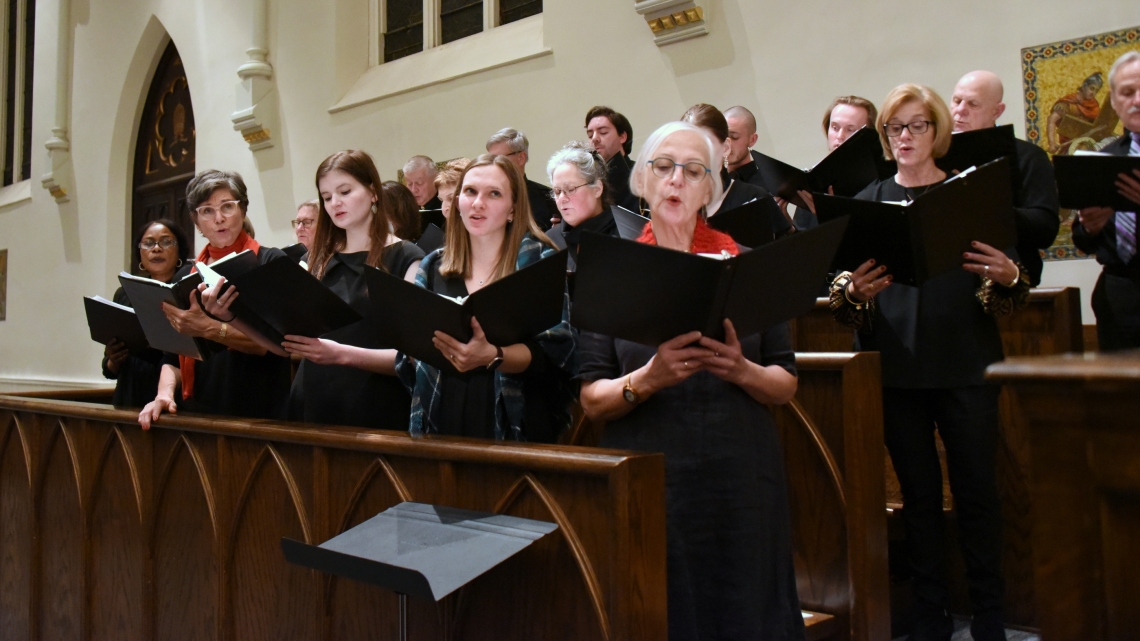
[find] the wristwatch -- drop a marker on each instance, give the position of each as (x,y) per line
(628,393)
(497,361)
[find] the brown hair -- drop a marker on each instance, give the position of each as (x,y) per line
(456,259)
(854,101)
(327,237)
(404,212)
(709,117)
(939,113)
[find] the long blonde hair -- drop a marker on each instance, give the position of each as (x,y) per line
(456,259)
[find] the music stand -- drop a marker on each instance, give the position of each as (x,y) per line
(418,549)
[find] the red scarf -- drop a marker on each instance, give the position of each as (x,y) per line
(706,240)
(243,242)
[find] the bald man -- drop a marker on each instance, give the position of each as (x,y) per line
(741,137)
(977,104)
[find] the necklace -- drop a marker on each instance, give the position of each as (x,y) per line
(480,280)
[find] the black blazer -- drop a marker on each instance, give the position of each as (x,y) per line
(541,204)
(1103,245)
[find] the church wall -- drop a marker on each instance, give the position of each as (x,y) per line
(785,61)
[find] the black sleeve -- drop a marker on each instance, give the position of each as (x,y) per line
(1037,208)
(776,348)
(598,358)
(266,254)
(1083,240)
(401,256)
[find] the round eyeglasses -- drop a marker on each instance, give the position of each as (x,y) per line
(693,172)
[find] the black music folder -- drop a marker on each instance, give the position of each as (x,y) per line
(295,252)
(281,297)
(432,217)
(108,320)
(649,294)
(926,238)
(847,170)
(1089,180)
(749,224)
(510,310)
(979,146)
(421,550)
(147,295)
(431,239)
(629,224)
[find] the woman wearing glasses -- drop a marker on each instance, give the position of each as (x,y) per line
(242,380)
(702,403)
(519,392)
(580,192)
(160,249)
(935,342)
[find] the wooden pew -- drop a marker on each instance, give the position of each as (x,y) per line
(1085,434)
(108,532)
(833,451)
(1050,324)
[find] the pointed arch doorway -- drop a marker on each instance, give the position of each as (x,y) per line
(164,148)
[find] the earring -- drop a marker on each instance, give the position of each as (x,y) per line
(179,264)
(373,208)
(141,268)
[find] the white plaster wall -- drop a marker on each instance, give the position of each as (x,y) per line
(785,61)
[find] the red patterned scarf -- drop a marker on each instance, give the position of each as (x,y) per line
(706,240)
(243,242)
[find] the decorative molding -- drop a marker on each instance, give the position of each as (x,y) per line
(255,110)
(672,20)
(58,146)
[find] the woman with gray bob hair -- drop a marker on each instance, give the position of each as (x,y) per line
(578,177)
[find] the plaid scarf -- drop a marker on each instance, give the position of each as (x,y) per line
(558,344)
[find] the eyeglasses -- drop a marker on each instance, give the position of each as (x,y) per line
(228,209)
(307,223)
(557,193)
(165,243)
(693,172)
(915,127)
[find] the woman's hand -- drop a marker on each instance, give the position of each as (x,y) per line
(991,263)
(868,282)
(218,306)
(155,408)
(1093,219)
(114,355)
(318,350)
(1129,186)
(676,360)
(190,322)
(726,360)
(473,354)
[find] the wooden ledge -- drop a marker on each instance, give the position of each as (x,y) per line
(1119,367)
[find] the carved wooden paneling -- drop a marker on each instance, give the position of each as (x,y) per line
(175,533)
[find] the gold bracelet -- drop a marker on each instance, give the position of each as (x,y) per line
(223,330)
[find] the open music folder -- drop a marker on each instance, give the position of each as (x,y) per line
(847,170)
(748,224)
(281,297)
(649,294)
(147,295)
(1089,180)
(925,238)
(510,310)
(108,321)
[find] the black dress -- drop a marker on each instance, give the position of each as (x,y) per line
(136,384)
(341,395)
(233,383)
(730,569)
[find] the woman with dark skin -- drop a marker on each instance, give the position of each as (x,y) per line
(160,249)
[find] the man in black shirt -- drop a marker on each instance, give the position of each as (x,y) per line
(513,144)
(612,137)
(419,177)
(1111,235)
(976,104)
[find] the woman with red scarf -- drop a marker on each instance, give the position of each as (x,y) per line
(242,380)
(702,403)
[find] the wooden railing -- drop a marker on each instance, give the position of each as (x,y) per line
(108,532)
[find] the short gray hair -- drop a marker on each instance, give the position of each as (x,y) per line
(314,203)
(515,139)
(202,186)
(1127,58)
(649,150)
(586,160)
(421,163)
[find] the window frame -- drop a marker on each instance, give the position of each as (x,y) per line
(433,26)
(21,144)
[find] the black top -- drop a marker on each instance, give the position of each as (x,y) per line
(541,204)
(1036,210)
(618,170)
(468,402)
(341,395)
(933,336)
(434,203)
(1103,245)
(233,383)
(603,223)
(748,172)
(136,384)
(737,193)
(729,542)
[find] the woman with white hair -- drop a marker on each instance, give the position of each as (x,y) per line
(702,403)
